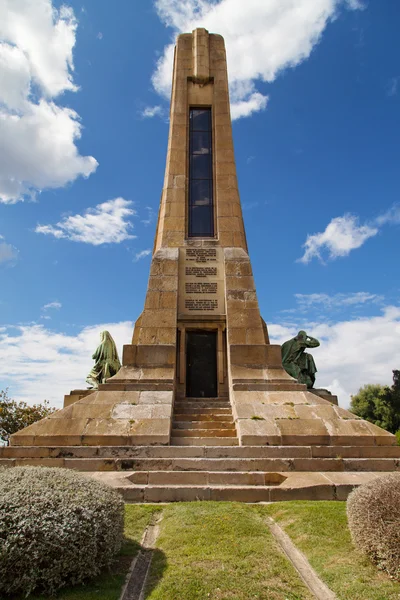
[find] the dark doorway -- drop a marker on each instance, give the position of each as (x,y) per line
(201,364)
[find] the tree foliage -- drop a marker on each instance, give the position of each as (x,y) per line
(379,404)
(15,415)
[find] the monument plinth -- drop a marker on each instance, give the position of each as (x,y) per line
(200,369)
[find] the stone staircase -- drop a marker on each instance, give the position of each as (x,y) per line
(203,422)
(241,473)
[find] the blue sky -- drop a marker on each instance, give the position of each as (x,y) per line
(84,103)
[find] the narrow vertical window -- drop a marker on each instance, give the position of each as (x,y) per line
(201,213)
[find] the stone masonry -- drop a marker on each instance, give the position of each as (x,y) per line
(205,284)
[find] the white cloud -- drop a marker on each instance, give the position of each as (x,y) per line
(37,363)
(56,305)
(152,111)
(150,216)
(336,301)
(262,39)
(37,136)
(142,254)
(341,236)
(390,217)
(107,223)
(352,353)
(344,234)
(356,4)
(392,86)
(8,254)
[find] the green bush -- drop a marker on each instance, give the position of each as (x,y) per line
(57,527)
(373,512)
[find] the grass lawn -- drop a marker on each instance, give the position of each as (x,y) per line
(319,529)
(108,585)
(225,551)
(219,551)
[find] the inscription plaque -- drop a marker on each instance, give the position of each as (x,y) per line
(201,281)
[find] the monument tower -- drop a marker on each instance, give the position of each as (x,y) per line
(200,370)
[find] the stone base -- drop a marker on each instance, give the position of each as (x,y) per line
(104,418)
(325,394)
(245,474)
(75,395)
(294,486)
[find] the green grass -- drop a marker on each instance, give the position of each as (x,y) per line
(225,551)
(319,529)
(109,584)
(219,551)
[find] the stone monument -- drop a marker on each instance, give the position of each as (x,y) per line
(200,370)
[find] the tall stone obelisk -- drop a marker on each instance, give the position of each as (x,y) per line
(200,335)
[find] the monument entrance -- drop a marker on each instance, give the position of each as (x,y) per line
(201,364)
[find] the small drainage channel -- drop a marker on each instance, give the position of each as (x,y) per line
(135,583)
(316,586)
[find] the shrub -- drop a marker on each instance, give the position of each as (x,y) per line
(57,527)
(373,512)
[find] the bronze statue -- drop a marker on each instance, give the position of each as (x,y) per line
(107,361)
(298,363)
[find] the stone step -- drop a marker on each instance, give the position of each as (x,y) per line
(201,417)
(366,452)
(204,425)
(203,411)
(204,432)
(306,486)
(205,478)
(212,464)
(202,398)
(204,441)
(202,405)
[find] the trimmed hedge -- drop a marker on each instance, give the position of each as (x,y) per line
(57,527)
(373,512)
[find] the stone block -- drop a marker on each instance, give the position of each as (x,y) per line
(302,432)
(239,283)
(255,336)
(150,427)
(239,318)
(316,412)
(257,433)
(175,494)
(236,336)
(233,494)
(106,427)
(263,411)
(163,317)
(152,300)
(349,432)
(382,437)
(129,354)
(225,238)
(115,397)
(157,355)
(155,397)
(89,411)
(170,478)
(308,492)
(273,355)
(139,477)
(165,283)
(169,300)
(289,398)
(247,355)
